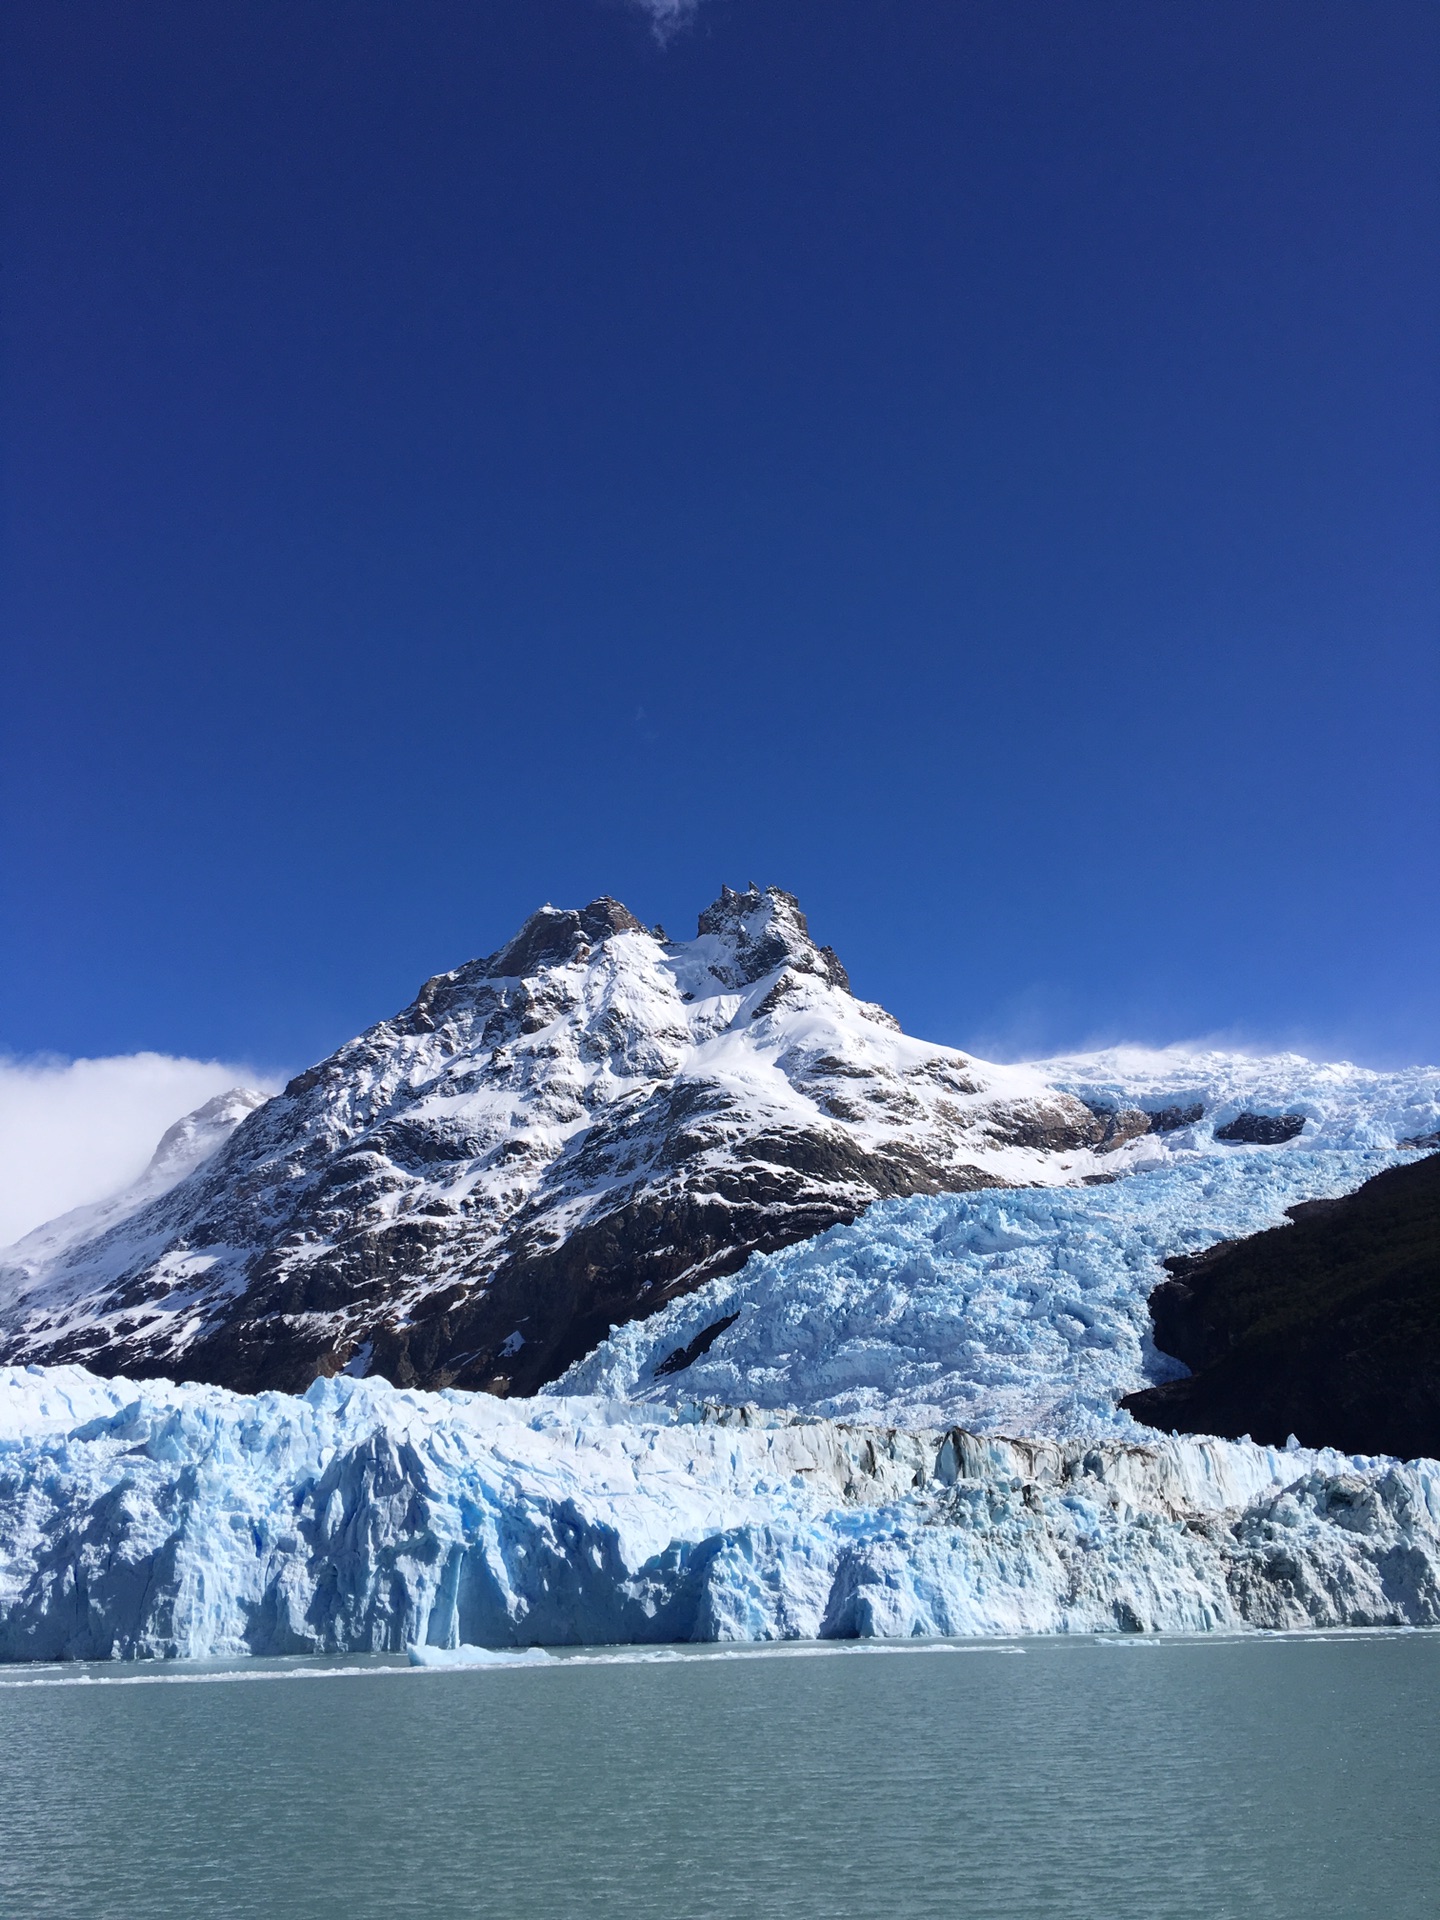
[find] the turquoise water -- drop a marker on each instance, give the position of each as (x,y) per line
(1147,1779)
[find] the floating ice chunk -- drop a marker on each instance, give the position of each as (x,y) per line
(479,1656)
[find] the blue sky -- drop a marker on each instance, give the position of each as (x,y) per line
(972,464)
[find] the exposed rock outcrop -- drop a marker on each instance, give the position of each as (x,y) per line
(1328,1329)
(1262,1129)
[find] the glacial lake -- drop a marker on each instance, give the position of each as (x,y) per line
(1142,1779)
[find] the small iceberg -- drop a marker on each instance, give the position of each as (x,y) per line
(479,1657)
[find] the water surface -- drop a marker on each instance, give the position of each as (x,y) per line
(1087,1779)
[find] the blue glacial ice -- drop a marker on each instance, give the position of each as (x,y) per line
(1018,1311)
(907,1428)
(152,1520)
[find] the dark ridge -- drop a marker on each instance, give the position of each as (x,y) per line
(1328,1329)
(556,935)
(1262,1129)
(1123,1124)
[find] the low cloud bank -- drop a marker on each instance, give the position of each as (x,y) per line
(73,1131)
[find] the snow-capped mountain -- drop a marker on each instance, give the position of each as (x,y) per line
(599,1125)
(187,1145)
(545,1143)
(592,1124)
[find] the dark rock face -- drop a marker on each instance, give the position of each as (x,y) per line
(686,1356)
(1120,1125)
(1328,1329)
(546,1143)
(1262,1129)
(551,938)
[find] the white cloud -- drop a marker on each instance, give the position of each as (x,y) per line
(72,1131)
(667,16)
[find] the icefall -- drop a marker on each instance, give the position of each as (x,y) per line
(1022,1311)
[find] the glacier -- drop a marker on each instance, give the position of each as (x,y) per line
(164,1521)
(1020,1310)
(904,1426)
(1344,1106)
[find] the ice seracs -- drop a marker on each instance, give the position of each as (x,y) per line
(1021,1310)
(188,1521)
(1203,1092)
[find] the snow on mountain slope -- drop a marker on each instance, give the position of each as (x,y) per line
(546,1142)
(189,1521)
(1018,1312)
(1341,1105)
(591,1124)
(184,1147)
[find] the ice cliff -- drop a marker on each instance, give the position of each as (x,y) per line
(163,1521)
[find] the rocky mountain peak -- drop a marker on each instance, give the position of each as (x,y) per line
(554,936)
(762,929)
(547,1142)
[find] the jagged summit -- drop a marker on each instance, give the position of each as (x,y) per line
(758,931)
(554,935)
(740,937)
(546,1142)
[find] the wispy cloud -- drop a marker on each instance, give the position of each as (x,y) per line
(72,1131)
(666,16)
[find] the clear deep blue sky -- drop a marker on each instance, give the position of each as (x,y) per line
(971,462)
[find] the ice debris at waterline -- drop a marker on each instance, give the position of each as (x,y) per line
(463,1656)
(1024,1310)
(151,1520)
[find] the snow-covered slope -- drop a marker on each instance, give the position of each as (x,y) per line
(1341,1105)
(544,1143)
(159,1521)
(184,1147)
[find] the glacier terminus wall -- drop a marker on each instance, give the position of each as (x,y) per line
(158,1521)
